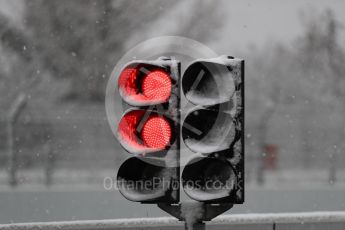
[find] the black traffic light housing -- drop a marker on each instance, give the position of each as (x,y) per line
(147,182)
(213,130)
(216,89)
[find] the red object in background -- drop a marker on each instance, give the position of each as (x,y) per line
(271,156)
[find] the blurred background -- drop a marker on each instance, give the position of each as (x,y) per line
(56,147)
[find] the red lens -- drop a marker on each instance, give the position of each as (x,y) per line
(153,135)
(157,85)
(127,128)
(156,132)
(138,88)
(127,81)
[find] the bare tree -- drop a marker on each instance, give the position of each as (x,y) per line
(14,42)
(322,61)
(81,40)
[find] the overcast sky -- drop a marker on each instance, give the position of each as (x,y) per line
(256,22)
(247,21)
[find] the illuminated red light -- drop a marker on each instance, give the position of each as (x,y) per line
(157,85)
(127,81)
(156,132)
(127,128)
(139,88)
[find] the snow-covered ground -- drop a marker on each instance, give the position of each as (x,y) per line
(227,220)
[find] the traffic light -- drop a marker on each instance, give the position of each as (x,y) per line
(149,130)
(215,88)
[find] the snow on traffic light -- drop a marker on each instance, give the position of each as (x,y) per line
(215,87)
(212,129)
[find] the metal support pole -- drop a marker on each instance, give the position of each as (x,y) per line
(12,156)
(194,213)
(49,164)
(195,226)
(332,177)
(13,114)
